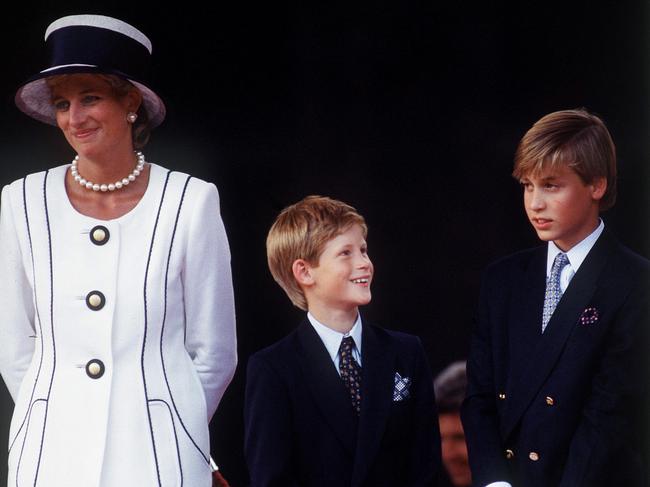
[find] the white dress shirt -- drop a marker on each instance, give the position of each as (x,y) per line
(332,339)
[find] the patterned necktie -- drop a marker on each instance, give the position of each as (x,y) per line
(350,372)
(553,289)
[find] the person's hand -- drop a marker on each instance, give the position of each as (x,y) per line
(218,480)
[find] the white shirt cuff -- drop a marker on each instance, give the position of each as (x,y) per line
(499,484)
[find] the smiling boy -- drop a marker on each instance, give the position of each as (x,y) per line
(338,402)
(555,370)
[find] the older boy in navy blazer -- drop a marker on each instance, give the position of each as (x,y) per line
(556,376)
(338,402)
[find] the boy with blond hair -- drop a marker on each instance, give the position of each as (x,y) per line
(338,402)
(556,376)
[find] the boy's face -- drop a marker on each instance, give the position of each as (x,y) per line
(561,207)
(341,280)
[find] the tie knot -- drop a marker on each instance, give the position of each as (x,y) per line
(561,260)
(347,344)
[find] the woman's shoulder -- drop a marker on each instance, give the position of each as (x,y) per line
(32,181)
(175,176)
(194,192)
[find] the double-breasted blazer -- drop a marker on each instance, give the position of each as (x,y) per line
(559,408)
(118,337)
(300,428)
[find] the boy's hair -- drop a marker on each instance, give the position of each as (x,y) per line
(300,232)
(574,138)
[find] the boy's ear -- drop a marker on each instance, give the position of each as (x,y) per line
(302,272)
(598,188)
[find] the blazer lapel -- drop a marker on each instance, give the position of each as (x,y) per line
(325,384)
(542,357)
(377,383)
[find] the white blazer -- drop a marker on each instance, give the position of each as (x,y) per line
(118,337)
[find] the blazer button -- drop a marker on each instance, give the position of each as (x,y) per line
(95,300)
(502,396)
(534,456)
(510,454)
(95,368)
(99,235)
(550,401)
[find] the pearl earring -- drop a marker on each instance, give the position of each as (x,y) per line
(131,117)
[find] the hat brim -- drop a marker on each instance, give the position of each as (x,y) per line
(34,98)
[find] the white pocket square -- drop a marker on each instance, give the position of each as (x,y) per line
(401,390)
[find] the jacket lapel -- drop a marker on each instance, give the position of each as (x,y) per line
(377,383)
(538,363)
(326,386)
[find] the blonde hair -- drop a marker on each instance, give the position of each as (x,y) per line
(300,232)
(573,138)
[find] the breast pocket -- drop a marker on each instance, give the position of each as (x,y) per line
(166,443)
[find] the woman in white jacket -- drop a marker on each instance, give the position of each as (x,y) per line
(116,303)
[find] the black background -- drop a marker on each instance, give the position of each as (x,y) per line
(409,111)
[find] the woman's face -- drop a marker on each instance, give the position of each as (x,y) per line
(91,116)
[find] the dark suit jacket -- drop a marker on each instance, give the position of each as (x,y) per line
(566,403)
(300,429)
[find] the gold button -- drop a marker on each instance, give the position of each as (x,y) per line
(549,400)
(99,235)
(95,300)
(95,368)
(534,456)
(502,396)
(510,454)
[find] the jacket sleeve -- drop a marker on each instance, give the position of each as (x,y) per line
(267,423)
(208,295)
(609,418)
(17,333)
(479,411)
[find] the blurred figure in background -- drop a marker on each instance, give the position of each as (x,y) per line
(449,388)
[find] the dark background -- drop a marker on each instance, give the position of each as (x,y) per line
(409,111)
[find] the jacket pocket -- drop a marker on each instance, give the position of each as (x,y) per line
(166,443)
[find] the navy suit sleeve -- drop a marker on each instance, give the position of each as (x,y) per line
(607,419)
(479,412)
(426,455)
(267,442)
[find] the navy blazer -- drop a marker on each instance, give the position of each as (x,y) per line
(562,407)
(300,428)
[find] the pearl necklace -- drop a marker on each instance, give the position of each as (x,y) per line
(107,187)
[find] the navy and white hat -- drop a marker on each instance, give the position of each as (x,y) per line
(91,44)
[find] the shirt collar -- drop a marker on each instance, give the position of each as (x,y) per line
(332,338)
(577,253)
